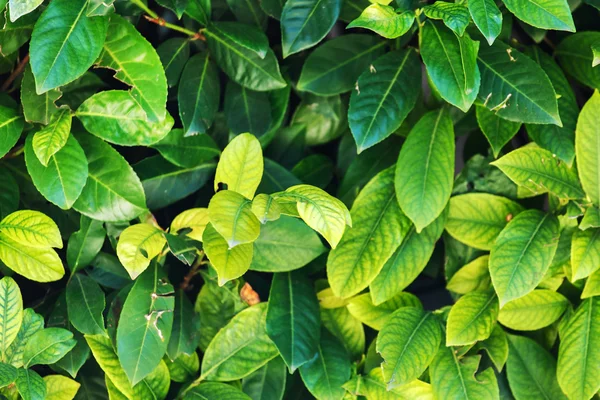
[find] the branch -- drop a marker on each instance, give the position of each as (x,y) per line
(18,71)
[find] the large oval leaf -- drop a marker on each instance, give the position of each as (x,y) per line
(544,14)
(230,263)
(587,149)
(534,311)
(37,264)
(31,228)
(138,245)
(241,165)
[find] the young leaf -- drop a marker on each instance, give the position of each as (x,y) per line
(376,316)
(472,277)
(241,165)
(48,141)
(60,387)
(545,14)
(379,228)
(425,169)
(373,386)
(588,153)
(230,263)
(498,131)
(85,302)
(231,215)
(47,346)
(266,208)
(384,21)
(65,43)
(35,263)
(408,342)
(385,94)
(534,311)
(487,17)
(138,245)
(11,314)
(472,318)
(194,219)
(522,254)
(31,228)
(454,15)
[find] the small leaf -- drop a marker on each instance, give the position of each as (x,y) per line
(265,208)
(472,277)
(384,21)
(376,316)
(498,131)
(11,315)
(31,228)
(47,346)
(230,263)
(48,141)
(454,15)
(138,245)
(195,219)
(187,152)
(85,302)
(487,17)
(534,311)
(241,165)
(231,215)
(60,387)
(472,318)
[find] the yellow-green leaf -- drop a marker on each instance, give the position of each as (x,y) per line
(60,387)
(266,208)
(194,219)
(241,165)
(230,263)
(376,316)
(472,277)
(32,229)
(11,313)
(587,150)
(37,264)
(231,215)
(50,139)
(138,245)
(472,318)
(585,253)
(534,311)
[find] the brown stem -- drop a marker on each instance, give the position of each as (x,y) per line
(18,71)
(192,272)
(161,22)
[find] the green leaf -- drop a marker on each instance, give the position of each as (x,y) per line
(322,212)
(323,119)
(145,324)
(137,65)
(487,17)
(579,353)
(11,126)
(408,342)
(538,170)
(522,254)
(8,374)
(116,117)
(184,368)
(384,21)
(496,346)
(65,177)
(457,378)
(242,65)
(22,7)
(31,228)
(248,12)
(247,110)
(200,10)
(105,356)
(215,391)
(30,385)
(293,319)
(425,169)
(477,219)
(60,387)
(240,348)
(184,335)
(544,14)
(515,87)
(531,370)
(472,318)
(385,94)
(231,215)
(305,23)
(138,245)
(113,192)
(498,131)
(10,196)
(241,165)
(245,35)
(174,54)
(407,262)
(31,323)
(198,94)
(591,219)
(534,311)
(272,7)
(334,66)
(266,208)
(325,374)
(472,277)
(37,108)
(85,302)
(100,7)
(50,139)
(177,6)
(47,346)
(376,316)
(592,286)
(451,63)
(587,150)
(379,228)
(316,170)
(195,219)
(373,387)
(454,15)
(85,244)
(37,264)
(230,263)
(65,43)
(268,382)
(347,329)
(11,315)
(585,253)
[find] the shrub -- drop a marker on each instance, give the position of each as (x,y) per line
(257,199)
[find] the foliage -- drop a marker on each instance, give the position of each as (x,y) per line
(330,199)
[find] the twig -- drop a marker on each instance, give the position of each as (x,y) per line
(193,271)
(156,19)
(18,71)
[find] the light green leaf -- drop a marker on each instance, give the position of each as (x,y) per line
(266,208)
(376,316)
(115,116)
(138,245)
(373,387)
(325,374)
(215,391)
(231,215)
(591,219)
(522,254)
(230,263)
(585,253)
(386,93)
(498,131)
(538,170)
(85,302)
(454,15)
(407,262)
(425,169)
(408,342)
(11,126)
(48,141)
(487,17)
(268,382)
(63,180)
(11,314)
(544,14)
(515,87)
(241,165)
(113,192)
(30,385)
(496,346)
(60,387)
(596,54)
(145,324)
(534,311)
(457,378)
(587,148)
(384,21)
(37,264)
(329,300)
(293,321)
(579,352)
(305,23)
(335,66)
(47,346)
(195,219)
(347,329)
(379,228)
(31,323)
(18,8)
(531,370)
(451,63)
(85,244)
(472,277)
(32,229)
(100,7)
(472,318)
(592,286)
(240,348)
(65,43)
(157,383)
(477,219)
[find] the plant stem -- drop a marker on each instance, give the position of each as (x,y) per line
(18,71)
(193,271)
(156,19)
